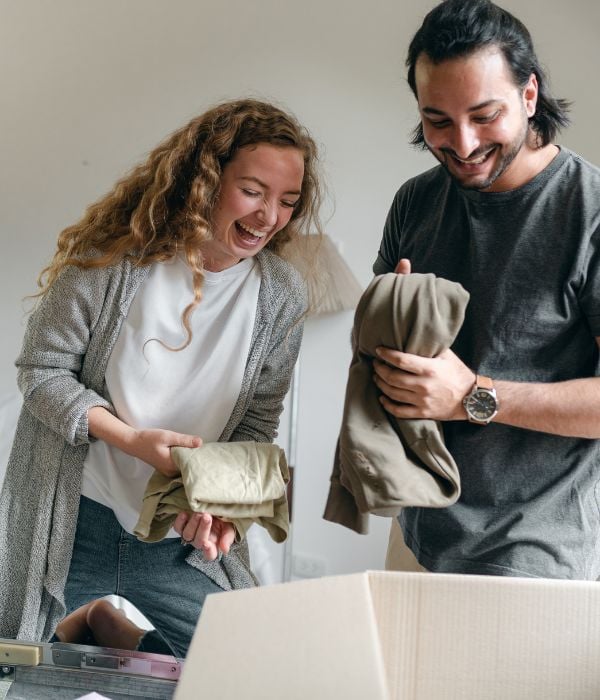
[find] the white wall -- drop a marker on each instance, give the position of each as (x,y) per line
(88,87)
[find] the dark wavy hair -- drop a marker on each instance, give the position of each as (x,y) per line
(458,28)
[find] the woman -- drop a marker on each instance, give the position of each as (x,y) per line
(165,318)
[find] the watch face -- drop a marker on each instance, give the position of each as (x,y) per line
(481,404)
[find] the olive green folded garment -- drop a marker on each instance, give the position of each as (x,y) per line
(382,463)
(240,482)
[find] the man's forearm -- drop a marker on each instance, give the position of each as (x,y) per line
(570,408)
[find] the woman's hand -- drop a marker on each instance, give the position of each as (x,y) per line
(152,446)
(206,532)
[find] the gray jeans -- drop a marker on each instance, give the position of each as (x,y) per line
(152,576)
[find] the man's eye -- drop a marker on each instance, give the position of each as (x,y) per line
(486,118)
(441,124)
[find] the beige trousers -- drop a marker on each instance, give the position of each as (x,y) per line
(399,557)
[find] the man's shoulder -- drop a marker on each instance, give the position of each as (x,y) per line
(577,165)
(579,159)
(429,183)
(431,177)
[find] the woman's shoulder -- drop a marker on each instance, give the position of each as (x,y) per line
(93,275)
(284,291)
(91,286)
(279,272)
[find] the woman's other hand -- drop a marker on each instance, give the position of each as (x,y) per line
(205,532)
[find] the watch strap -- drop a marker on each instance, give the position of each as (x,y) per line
(484,382)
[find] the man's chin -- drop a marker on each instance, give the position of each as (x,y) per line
(471,182)
(474,184)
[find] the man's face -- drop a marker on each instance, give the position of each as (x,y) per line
(475,119)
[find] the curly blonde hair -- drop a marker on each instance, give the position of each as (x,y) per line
(164,205)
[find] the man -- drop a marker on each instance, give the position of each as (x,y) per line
(516,220)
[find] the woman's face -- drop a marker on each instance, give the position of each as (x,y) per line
(260,187)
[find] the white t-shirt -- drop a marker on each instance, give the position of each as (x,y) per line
(192,391)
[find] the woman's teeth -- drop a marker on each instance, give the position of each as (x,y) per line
(252,231)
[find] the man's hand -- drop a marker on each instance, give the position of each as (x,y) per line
(206,532)
(403,267)
(421,387)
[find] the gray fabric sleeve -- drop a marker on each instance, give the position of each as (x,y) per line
(389,250)
(56,340)
(589,296)
(261,419)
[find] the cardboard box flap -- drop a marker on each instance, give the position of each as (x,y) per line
(306,640)
(423,636)
(457,637)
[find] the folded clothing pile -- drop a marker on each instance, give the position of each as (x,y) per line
(240,482)
(382,463)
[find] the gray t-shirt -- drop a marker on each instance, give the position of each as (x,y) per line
(530,258)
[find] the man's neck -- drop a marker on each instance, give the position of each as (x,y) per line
(529,162)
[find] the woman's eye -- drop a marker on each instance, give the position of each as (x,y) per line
(287,203)
(251,193)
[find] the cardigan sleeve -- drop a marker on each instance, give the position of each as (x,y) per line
(261,418)
(54,348)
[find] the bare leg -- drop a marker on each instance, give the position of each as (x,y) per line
(111,627)
(74,627)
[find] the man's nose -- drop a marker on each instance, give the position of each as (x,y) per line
(465,140)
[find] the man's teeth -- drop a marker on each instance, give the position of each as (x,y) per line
(253,231)
(474,161)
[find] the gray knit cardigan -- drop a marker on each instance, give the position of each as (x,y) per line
(61,370)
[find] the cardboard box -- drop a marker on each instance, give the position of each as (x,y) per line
(399,636)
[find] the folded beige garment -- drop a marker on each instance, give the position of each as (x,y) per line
(382,463)
(240,482)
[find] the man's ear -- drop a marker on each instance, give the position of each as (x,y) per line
(530,95)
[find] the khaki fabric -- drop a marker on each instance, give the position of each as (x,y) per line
(240,482)
(382,463)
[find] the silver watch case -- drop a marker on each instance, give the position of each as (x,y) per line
(481,405)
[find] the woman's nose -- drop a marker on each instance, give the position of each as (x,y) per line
(268,213)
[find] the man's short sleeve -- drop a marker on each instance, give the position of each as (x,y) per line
(589,297)
(389,250)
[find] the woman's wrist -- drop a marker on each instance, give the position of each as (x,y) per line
(103,425)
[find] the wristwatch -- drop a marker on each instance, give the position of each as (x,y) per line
(481,403)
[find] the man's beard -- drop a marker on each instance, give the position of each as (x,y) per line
(506,159)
